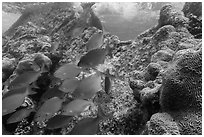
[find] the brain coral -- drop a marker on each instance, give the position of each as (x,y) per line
(162,124)
(189,122)
(181,94)
(182,83)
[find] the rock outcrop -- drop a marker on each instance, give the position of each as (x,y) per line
(180,96)
(163,66)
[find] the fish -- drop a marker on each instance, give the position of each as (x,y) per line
(24,65)
(94,21)
(24,79)
(48,109)
(20,115)
(93,58)
(58,121)
(108,83)
(75,107)
(42,61)
(88,87)
(52,92)
(90,126)
(14,99)
(78,25)
(77,31)
(34,85)
(69,85)
(86,19)
(96,41)
(87,5)
(67,71)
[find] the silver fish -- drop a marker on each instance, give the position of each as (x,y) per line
(96,41)
(94,21)
(14,99)
(90,126)
(93,58)
(24,79)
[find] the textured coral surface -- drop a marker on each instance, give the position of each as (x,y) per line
(155,80)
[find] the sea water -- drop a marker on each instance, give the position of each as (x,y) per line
(8,19)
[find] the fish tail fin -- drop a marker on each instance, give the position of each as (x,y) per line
(34,85)
(30,91)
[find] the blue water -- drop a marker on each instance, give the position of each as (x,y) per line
(8,19)
(115,24)
(128,29)
(127,20)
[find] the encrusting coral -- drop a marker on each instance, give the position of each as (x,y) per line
(155,79)
(180,96)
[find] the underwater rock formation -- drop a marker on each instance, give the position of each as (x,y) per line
(152,71)
(163,33)
(162,124)
(162,55)
(170,16)
(180,98)
(163,66)
(193,11)
(8,66)
(182,83)
(194,8)
(180,57)
(181,94)
(34,63)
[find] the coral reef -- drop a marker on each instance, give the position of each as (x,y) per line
(162,124)
(156,79)
(182,83)
(8,66)
(162,55)
(192,7)
(170,16)
(180,57)
(192,10)
(152,71)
